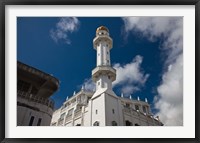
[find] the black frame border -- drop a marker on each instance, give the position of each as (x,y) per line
(4,3)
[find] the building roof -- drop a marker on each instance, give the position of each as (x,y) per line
(46,83)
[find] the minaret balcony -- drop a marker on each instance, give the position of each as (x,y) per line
(102,38)
(104,70)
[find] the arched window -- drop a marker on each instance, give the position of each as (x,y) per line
(31,121)
(144,109)
(128,123)
(39,121)
(96,123)
(114,123)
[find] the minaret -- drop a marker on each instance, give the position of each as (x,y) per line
(105,106)
(103,75)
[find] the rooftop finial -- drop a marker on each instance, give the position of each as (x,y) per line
(122,95)
(138,98)
(67,98)
(82,88)
(74,93)
(146,100)
(130,97)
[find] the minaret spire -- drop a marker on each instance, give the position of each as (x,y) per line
(103,74)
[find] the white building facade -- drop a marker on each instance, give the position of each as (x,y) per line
(103,107)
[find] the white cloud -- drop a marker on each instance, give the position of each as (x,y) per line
(170,100)
(129,76)
(65,26)
(89,85)
(170,92)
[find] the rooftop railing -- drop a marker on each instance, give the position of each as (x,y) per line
(37,99)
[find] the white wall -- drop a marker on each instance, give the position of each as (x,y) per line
(98,104)
(34,109)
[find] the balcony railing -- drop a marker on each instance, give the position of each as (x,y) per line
(37,99)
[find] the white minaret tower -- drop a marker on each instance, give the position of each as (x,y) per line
(103,74)
(105,105)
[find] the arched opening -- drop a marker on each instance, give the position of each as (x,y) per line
(128,123)
(96,123)
(137,124)
(114,123)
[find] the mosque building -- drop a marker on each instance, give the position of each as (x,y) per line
(103,107)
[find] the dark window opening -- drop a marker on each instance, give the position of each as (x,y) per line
(127,105)
(96,123)
(137,124)
(31,121)
(39,122)
(144,109)
(114,123)
(96,111)
(136,107)
(128,123)
(78,124)
(113,111)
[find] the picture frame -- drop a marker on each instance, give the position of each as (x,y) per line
(5,3)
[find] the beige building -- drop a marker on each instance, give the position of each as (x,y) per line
(103,107)
(34,88)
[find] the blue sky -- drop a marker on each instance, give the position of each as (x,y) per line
(147,54)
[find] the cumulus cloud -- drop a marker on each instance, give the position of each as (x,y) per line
(65,26)
(89,85)
(130,77)
(169,100)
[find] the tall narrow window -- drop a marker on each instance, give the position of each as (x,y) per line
(113,111)
(96,111)
(144,109)
(31,121)
(39,122)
